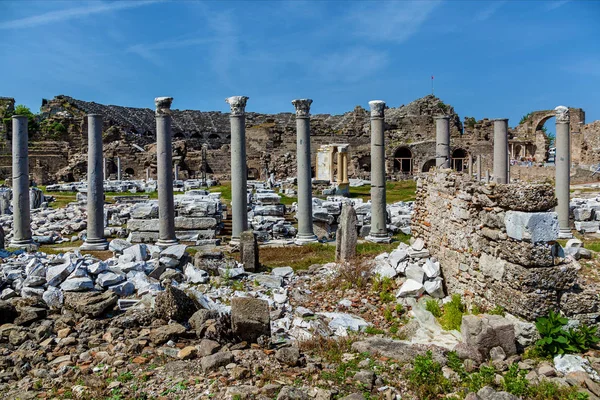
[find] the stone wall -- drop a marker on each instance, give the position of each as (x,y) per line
(495,243)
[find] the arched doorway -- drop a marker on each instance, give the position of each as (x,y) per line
(403,160)
(179,135)
(428,165)
(459,159)
(130,171)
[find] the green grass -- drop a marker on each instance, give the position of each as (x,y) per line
(62,199)
(224,189)
(395,191)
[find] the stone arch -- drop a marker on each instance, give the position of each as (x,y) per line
(428,165)
(253,174)
(364,163)
(459,159)
(214,136)
(130,171)
(403,160)
(179,135)
(196,135)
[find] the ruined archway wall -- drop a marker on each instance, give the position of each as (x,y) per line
(463,225)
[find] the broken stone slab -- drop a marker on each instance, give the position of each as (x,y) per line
(139,252)
(284,272)
(345,321)
(567,363)
(487,331)
(249,251)
(397,256)
(431,268)
(80,284)
(533,227)
(434,288)
(398,350)
(125,304)
(122,289)
(383,268)
(174,304)
(118,245)
(250,318)
(587,226)
(231,273)
(91,303)
(195,275)
(53,297)
(583,213)
(109,278)
(418,244)
(423,253)
(57,274)
(176,252)
(269,281)
(414,272)
(411,288)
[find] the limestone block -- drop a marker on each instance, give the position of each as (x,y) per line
(582,214)
(587,226)
(487,331)
(411,288)
(250,318)
(249,251)
(531,226)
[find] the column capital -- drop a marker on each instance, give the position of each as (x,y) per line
(163,105)
(377,108)
(237,104)
(302,107)
(562,115)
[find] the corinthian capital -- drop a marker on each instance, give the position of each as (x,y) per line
(377,108)
(562,114)
(237,104)
(163,105)
(302,107)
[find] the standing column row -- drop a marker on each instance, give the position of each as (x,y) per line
(378,231)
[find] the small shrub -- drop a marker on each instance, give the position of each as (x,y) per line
(548,390)
(426,378)
(456,364)
(399,309)
(484,377)
(452,314)
(388,315)
(514,381)
(556,340)
(433,307)
(371,330)
(498,310)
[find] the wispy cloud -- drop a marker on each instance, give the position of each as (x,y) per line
(394,21)
(72,13)
(553,5)
(488,11)
(350,65)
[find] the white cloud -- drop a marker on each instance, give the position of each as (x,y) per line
(350,65)
(72,13)
(394,21)
(488,11)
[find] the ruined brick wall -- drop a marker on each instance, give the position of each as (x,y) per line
(463,225)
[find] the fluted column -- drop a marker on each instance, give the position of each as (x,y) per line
(304,213)
(563,170)
(164,172)
(239,188)
(20,184)
(442,141)
(378,231)
(501,150)
(95,188)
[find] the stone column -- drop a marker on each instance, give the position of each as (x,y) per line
(176,172)
(470,165)
(378,231)
(147,174)
(563,165)
(95,188)
(239,189)
(20,184)
(442,141)
(345,165)
(501,150)
(304,213)
(331,166)
(340,171)
(104,168)
(479,168)
(164,172)
(119,176)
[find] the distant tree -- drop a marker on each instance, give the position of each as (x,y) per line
(524,118)
(32,124)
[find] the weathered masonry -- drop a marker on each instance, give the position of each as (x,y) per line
(496,242)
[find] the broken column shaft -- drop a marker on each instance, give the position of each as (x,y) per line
(442,141)
(95,188)
(20,184)
(164,171)
(304,213)
(378,232)
(239,187)
(501,150)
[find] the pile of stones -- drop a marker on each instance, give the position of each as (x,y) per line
(418,272)
(198,218)
(267,216)
(586,213)
(326,216)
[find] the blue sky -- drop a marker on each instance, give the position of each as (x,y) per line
(489,59)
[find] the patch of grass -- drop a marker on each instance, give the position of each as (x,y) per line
(433,307)
(330,349)
(426,378)
(395,191)
(224,189)
(514,381)
(371,330)
(297,257)
(287,200)
(452,313)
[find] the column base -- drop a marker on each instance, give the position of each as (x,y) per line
(26,244)
(166,243)
(303,239)
(94,245)
(565,234)
(234,241)
(378,238)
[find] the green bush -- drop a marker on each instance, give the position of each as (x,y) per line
(426,378)
(498,310)
(453,312)
(484,377)
(548,390)
(433,307)
(554,339)
(514,381)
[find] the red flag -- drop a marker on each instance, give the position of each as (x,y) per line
(432,77)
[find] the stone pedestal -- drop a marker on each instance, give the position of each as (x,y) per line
(95,189)
(20,184)
(164,171)
(501,150)
(249,251)
(304,214)
(563,166)
(442,141)
(378,232)
(239,188)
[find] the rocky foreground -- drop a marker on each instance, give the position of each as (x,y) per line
(152,324)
